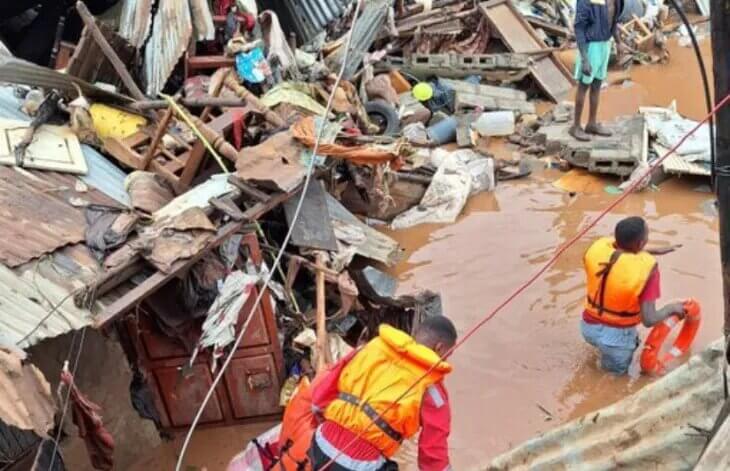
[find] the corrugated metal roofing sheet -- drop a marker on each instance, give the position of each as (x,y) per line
(171,33)
(651,429)
(40,212)
(29,293)
(102,174)
(135,21)
(310,17)
(676,164)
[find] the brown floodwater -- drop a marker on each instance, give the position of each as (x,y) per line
(528,369)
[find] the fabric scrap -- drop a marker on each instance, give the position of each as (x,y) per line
(304,132)
(99,442)
(219,327)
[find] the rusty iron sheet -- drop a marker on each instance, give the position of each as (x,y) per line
(25,394)
(274,164)
(171,33)
(40,212)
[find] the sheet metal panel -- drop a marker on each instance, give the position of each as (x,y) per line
(135,21)
(651,429)
(171,34)
(312,16)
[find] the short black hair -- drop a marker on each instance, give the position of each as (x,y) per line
(438,329)
(630,232)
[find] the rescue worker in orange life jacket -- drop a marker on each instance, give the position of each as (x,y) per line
(622,281)
(381,394)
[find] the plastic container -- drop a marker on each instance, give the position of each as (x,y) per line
(444,131)
(495,123)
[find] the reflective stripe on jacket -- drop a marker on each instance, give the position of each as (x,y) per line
(370,387)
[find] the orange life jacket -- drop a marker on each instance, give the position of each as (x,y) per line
(615,281)
(297,428)
(371,386)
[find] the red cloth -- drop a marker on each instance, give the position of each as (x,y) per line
(433,450)
(652,292)
(99,442)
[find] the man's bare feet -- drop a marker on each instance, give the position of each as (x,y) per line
(598,130)
(578,133)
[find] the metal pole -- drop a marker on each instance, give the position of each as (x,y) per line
(720,23)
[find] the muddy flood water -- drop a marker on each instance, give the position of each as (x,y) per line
(528,369)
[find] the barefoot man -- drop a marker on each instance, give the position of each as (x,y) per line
(595,25)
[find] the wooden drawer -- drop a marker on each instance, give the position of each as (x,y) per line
(253,384)
(182,396)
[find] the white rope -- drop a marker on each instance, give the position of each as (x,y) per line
(278,258)
(68,392)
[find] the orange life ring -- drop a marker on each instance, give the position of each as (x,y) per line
(650,361)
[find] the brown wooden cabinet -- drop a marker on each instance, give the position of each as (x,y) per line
(249,389)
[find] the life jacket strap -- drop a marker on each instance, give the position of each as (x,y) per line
(372,415)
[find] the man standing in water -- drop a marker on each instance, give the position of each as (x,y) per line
(622,281)
(595,25)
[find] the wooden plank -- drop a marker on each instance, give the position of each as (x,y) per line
(550,28)
(124,154)
(109,52)
(518,36)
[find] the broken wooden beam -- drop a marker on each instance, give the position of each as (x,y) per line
(208,101)
(108,51)
(243,93)
(215,139)
(159,133)
(321,344)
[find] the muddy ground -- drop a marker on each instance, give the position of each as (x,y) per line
(528,370)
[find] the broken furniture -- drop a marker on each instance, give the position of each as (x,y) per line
(617,155)
(250,386)
(196,63)
(636,34)
(142,150)
(518,36)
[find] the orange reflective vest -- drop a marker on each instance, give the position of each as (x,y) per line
(370,387)
(615,281)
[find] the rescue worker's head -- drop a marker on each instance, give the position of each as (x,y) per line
(437,333)
(631,234)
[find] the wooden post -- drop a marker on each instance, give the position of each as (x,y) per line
(215,93)
(720,21)
(109,52)
(321,346)
(159,132)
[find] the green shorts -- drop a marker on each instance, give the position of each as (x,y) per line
(599,53)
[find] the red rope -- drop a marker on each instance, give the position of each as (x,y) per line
(561,250)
